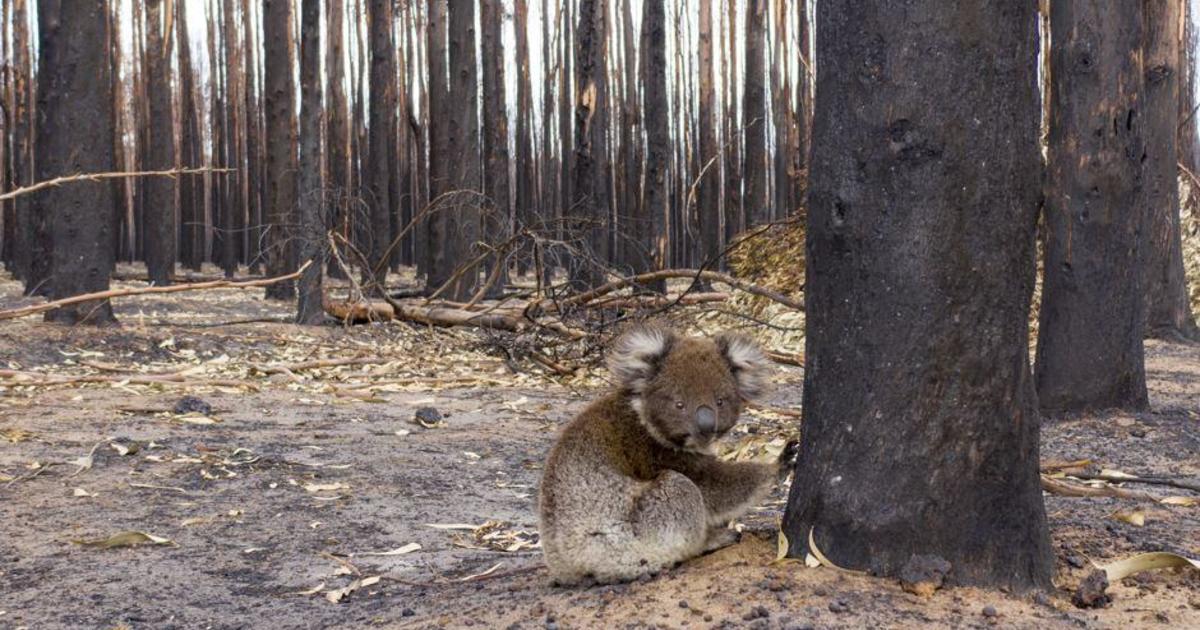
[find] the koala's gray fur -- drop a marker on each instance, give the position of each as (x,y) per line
(631,487)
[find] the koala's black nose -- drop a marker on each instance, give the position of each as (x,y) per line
(706,420)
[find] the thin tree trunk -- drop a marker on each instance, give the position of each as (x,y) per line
(280,96)
(1089,351)
(1168,309)
(311,231)
(495,131)
(339,122)
(754,115)
(525,211)
(706,214)
(254,140)
(588,223)
(436,241)
(653,72)
(382,110)
(162,193)
(33,254)
(76,136)
(920,419)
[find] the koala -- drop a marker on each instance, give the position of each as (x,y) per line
(631,487)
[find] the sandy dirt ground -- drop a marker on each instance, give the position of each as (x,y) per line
(300,499)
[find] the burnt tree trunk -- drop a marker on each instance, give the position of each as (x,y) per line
(706,217)
(433,261)
(254,143)
(280,179)
(454,226)
(495,131)
(1089,351)
(588,220)
(524,187)
(1168,312)
(32,257)
(754,115)
(75,135)
(381,134)
(653,71)
(311,234)
(162,193)
(339,123)
(920,418)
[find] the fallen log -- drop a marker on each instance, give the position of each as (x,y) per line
(177,288)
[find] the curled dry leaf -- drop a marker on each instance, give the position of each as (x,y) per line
(1181,501)
(124,539)
(80,492)
(1146,562)
(1135,518)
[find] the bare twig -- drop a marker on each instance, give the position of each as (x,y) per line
(177,288)
(96,177)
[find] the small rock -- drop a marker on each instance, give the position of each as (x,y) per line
(1041,599)
(192,404)
(550,625)
(427,416)
(407,612)
(1075,561)
(683,603)
(924,574)
(1137,432)
(1090,593)
(990,611)
(838,606)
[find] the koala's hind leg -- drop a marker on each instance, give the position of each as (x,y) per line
(667,524)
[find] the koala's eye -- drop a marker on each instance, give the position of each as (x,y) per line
(720,402)
(679,404)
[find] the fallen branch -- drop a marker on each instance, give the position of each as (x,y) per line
(96,177)
(320,363)
(1153,481)
(37,379)
(177,288)
(1067,489)
(655,301)
(711,276)
(786,359)
(187,276)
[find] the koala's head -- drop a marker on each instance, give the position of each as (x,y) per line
(688,391)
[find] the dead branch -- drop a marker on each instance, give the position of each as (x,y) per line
(320,363)
(1152,481)
(711,276)
(96,177)
(786,359)
(655,301)
(1068,489)
(177,288)
(37,379)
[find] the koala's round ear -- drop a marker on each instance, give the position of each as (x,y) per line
(746,361)
(635,357)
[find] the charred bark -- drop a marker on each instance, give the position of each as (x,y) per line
(1089,351)
(754,115)
(75,131)
(1168,310)
(280,96)
(311,243)
(920,418)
